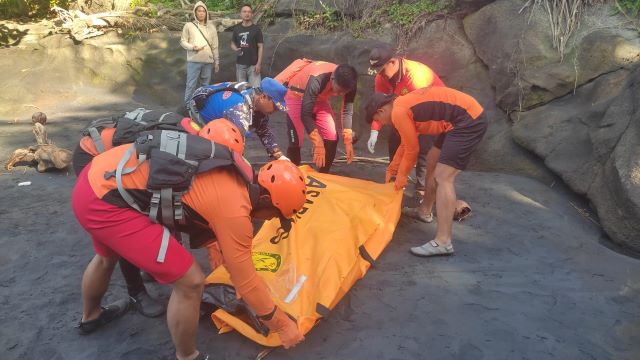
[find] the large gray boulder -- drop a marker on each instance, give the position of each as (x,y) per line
(524,67)
(470,6)
(591,140)
(444,47)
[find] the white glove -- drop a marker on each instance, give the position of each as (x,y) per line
(373,138)
(282,157)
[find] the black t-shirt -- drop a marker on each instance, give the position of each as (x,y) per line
(247,39)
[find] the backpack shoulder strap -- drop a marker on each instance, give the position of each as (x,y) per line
(136,115)
(94,129)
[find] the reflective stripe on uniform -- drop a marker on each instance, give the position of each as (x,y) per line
(164,245)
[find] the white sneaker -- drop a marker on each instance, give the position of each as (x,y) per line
(432,249)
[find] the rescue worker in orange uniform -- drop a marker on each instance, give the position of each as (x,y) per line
(459,123)
(84,152)
(91,145)
(218,204)
(400,76)
(310,86)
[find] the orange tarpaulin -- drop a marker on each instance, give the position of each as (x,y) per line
(344,226)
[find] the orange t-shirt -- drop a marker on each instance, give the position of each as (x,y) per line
(427,111)
(221,198)
(413,75)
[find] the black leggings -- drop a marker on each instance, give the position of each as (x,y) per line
(130,272)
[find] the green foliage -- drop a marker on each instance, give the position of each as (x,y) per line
(400,14)
(630,7)
(404,14)
(229,5)
(28,8)
(212,5)
(135,3)
(327,20)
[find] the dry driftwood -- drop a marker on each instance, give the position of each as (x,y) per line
(45,154)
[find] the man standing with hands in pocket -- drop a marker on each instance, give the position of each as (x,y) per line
(247,43)
(200,39)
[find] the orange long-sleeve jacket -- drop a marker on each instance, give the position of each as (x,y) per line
(428,111)
(412,75)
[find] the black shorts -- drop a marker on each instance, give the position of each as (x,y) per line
(458,144)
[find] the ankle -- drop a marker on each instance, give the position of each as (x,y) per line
(91,315)
(188,357)
(443,242)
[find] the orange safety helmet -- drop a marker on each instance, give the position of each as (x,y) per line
(222,131)
(286,185)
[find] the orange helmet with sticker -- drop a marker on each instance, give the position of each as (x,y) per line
(222,131)
(286,185)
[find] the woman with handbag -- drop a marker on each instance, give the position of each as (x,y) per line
(200,39)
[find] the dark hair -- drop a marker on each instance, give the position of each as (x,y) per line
(376,102)
(246,5)
(346,76)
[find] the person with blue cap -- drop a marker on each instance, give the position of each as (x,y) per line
(246,107)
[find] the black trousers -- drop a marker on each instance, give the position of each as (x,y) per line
(130,272)
(421,166)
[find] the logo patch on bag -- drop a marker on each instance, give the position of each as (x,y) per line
(226,95)
(266,261)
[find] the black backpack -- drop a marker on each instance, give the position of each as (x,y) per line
(174,159)
(129,126)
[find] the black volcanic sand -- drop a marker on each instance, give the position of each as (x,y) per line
(532,278)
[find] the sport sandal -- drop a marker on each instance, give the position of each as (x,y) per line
(108,314)
(432,249)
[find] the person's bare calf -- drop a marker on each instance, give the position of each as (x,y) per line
(426,207)
(183,312)
(95,283)
(445,176)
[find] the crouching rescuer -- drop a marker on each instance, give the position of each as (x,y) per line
(310,86)
(144,201)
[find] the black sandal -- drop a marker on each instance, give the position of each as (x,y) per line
(108,314)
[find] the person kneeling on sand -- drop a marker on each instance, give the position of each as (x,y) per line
(459,122)
(106,203)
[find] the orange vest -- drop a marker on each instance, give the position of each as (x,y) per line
(298,82)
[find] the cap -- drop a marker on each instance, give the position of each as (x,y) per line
(379,56)
(376,101)
(275,91)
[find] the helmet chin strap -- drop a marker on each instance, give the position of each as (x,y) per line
(285,223)
(263,201)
